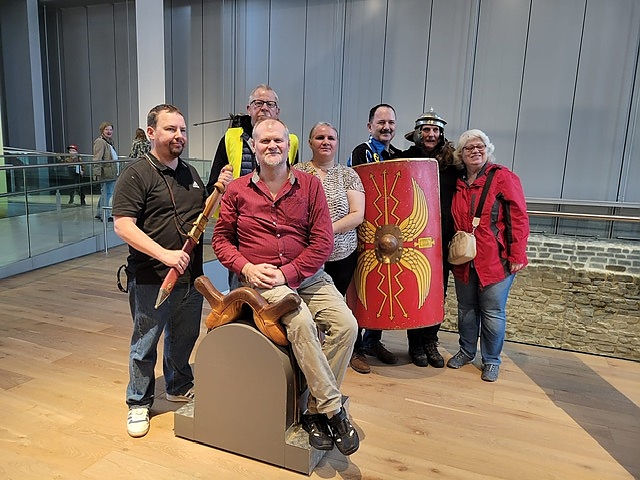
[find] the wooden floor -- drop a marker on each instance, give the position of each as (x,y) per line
(64,337)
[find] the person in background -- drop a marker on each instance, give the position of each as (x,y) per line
(275,233)
(140,145)
(382,128)
(77,172)
(234,147)
(106,171)
(430,142)
(345,195)
(155,205)
(483,284)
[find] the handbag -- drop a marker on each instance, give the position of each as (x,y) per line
(462,247)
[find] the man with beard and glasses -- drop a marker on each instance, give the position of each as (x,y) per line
(157,199)
(275,234)
(382,129)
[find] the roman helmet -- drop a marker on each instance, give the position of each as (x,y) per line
(427,118)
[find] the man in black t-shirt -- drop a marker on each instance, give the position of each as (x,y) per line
(157,198)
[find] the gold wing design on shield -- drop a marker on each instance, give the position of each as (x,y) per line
(415,261)
(411,227)
(415,223)
(366,232)
(366,261)
(411,258)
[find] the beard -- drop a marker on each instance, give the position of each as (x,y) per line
(176,149)
(273,161)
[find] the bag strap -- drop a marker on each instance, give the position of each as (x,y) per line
(485,190)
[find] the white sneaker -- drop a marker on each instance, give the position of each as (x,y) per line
(138,421)
(185,397)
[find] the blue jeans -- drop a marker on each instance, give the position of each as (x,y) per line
(482,312)
(179,318)
(105,196)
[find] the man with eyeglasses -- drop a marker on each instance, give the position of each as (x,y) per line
(234,148)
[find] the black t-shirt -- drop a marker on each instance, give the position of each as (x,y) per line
(144,191)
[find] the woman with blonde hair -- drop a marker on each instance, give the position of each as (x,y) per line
(106,171)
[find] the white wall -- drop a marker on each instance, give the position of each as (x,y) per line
(551,83)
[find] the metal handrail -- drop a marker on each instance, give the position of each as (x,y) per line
(530,200)
(586,203)
(583,216)
(562,202)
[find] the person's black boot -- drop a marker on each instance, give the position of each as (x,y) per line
(433,355)
(316,426)
(418,356)
(416,348)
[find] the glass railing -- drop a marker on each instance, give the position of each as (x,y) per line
(43,219)
(48,209)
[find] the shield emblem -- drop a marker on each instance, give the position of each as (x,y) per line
(398,279)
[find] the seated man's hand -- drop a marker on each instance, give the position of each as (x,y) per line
(263,275)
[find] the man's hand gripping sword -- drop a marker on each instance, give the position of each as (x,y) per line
(193,237)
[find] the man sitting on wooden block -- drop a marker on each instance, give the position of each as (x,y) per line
(275,233)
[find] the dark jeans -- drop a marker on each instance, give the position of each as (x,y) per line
(77,180)
(179,318)
(341,271)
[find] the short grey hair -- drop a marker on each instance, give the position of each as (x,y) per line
(274,120)
(262,86)
(470,135)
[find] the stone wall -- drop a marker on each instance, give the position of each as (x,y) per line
(576,294)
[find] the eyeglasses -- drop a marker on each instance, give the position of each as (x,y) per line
(471,148)
(262,103)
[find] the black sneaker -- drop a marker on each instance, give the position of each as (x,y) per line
(377,350)
(319,434)
(344,435)
(433,355)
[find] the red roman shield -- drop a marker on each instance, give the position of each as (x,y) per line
(398,280)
